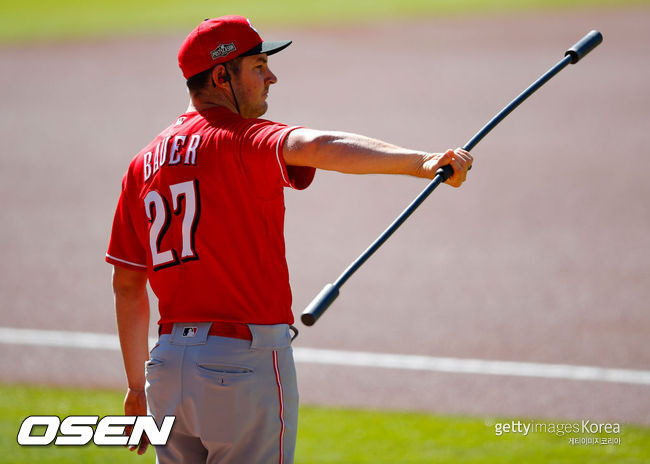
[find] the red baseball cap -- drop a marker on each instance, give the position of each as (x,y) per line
(218,40)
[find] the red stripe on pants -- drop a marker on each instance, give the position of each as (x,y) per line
(279,382)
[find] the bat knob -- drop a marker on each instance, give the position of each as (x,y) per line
(584,46)
(319,304)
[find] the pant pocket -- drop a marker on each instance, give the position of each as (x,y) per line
(224,374)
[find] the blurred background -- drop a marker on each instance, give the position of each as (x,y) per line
(541,257)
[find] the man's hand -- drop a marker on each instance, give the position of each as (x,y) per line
(135,404)
(459,159)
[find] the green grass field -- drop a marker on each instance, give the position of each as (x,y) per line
(328,436)
(39,20)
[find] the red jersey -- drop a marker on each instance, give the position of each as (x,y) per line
(202,212)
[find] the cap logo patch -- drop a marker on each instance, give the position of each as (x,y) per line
(223,50)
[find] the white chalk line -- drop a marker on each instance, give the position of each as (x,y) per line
(96,341)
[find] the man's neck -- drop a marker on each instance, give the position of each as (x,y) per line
(204,106)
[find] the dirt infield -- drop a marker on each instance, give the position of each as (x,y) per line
(543,256)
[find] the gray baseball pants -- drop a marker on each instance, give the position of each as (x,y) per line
(235,401)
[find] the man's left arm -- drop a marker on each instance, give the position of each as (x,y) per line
(357,154)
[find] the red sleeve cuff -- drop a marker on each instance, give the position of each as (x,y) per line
(296,177)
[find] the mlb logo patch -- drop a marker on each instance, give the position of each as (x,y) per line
(189,331)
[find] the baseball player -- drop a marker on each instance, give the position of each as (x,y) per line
(200,217)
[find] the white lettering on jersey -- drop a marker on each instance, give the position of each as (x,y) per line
(157,211)
(163,151)
(190,156)
(175,156)
(185,201)
(186,190)
(154,160)
(147,165)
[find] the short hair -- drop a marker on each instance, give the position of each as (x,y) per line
(199,81)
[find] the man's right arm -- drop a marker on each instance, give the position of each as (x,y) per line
(357,154)
(132,311)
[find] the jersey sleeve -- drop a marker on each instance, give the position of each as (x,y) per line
(261,149)
(124,248)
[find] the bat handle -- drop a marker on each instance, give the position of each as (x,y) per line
(319,304)
(446,172)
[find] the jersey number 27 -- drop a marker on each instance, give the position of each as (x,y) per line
(185,200)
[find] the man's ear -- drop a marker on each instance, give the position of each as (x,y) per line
(220,76)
